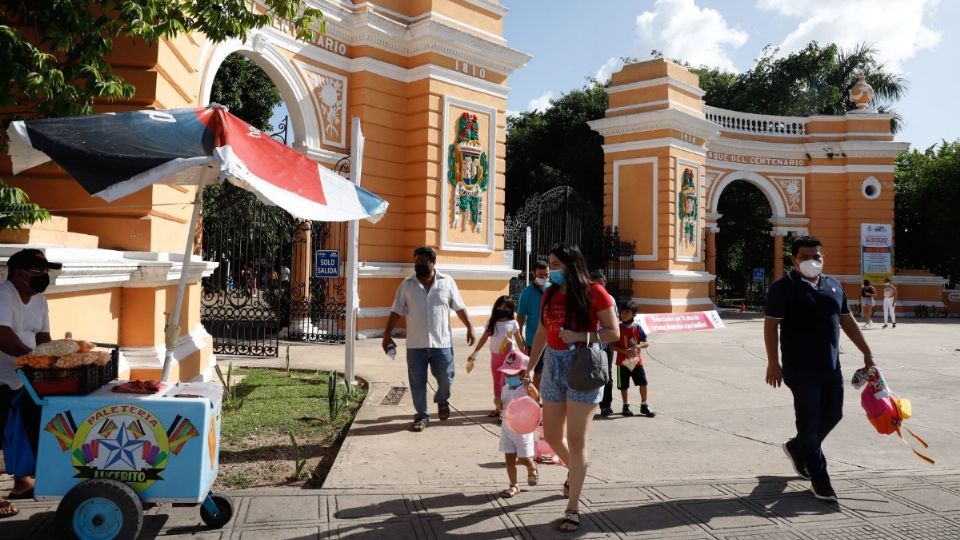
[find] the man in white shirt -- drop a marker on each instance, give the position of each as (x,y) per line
(24,324)
(426,300)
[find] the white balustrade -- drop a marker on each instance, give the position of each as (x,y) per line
(756,124)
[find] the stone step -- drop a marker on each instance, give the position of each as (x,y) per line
(53,232)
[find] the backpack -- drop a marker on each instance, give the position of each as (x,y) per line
(885,411)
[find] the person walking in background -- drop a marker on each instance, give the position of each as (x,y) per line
(575,311)
(426,299)
(528,311)
(889,302)
(805,312)
(867,301)
(630,360)
(503,331)
(606,402)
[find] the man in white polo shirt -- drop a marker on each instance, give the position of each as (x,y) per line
(426,299)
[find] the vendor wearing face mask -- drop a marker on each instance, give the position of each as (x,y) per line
(24,324)
(425,299)
(809,309)
(528,311)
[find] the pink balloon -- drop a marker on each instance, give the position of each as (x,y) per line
(541,448)
(523,415)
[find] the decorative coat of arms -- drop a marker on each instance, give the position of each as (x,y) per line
(688,207)
(467,171)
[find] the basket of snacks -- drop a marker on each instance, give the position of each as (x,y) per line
(65,367)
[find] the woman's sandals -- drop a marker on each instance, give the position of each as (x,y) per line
(512,491)
(570,521)
(533,477)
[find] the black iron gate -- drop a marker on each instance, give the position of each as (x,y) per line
(562,215)
(267,287)
(241,300)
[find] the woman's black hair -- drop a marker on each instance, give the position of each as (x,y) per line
(577,280)
(507,303)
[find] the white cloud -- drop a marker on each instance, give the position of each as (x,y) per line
(541,103)
(895,27)
(683,30)
(609,68)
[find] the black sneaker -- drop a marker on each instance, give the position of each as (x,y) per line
(822,489)
(606,411)
(645,410)
(626,411)
(789,448)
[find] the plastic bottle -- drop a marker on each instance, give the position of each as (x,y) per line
(392,351)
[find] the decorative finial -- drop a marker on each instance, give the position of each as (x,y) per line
(861,93)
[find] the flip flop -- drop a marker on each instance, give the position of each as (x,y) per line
(7,509)
(28,494)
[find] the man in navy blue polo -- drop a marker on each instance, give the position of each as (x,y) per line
(809,309)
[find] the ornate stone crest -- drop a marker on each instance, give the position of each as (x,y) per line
(467,171)
(688,207)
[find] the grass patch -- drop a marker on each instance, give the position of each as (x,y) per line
(267,408)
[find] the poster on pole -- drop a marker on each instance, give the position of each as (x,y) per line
(876,251)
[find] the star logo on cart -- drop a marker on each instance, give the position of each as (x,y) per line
(122,442)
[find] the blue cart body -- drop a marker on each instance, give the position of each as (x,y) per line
(165,445)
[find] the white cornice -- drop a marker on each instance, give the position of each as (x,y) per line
(784,150)
(717,165)
(652,120)
(676,83)
(152,357)
(411,37)
(94,269)
(685,276)
(386,69)
(702,301)
(488,5)
(384,270)
(646,144)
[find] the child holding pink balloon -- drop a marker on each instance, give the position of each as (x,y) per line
(522,416)
(503,332)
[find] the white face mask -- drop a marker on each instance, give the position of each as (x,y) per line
(540,281)
(811,268)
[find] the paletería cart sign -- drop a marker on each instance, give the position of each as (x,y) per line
(122,442)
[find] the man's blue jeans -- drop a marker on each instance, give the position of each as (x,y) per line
(442,367)
(818,406)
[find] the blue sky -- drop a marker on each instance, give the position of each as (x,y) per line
(571,40)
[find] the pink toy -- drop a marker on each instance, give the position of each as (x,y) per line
(523,415)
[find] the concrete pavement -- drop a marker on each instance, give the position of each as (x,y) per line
(708,466)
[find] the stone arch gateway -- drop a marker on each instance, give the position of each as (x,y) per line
(669,156)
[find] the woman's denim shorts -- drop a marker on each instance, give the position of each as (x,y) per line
(553,386)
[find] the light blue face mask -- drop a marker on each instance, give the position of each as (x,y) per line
(557,277)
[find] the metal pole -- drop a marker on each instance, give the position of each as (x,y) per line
(353,247)
(172,328)
(528,238)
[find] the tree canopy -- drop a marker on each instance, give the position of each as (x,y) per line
(927,195)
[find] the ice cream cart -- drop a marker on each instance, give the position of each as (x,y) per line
(106,453)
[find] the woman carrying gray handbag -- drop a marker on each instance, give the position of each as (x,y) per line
(575,311)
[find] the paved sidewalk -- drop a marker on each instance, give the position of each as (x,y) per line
(708,466)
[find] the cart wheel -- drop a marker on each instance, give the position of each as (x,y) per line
(224,511)
(100,509)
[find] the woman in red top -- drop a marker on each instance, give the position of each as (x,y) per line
(573,311)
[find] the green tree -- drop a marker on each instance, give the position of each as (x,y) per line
(246,90)
(16,210)
(927,195)
(744,241)
(557,147)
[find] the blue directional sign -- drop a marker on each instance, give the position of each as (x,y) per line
(758,275)
(328,263)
